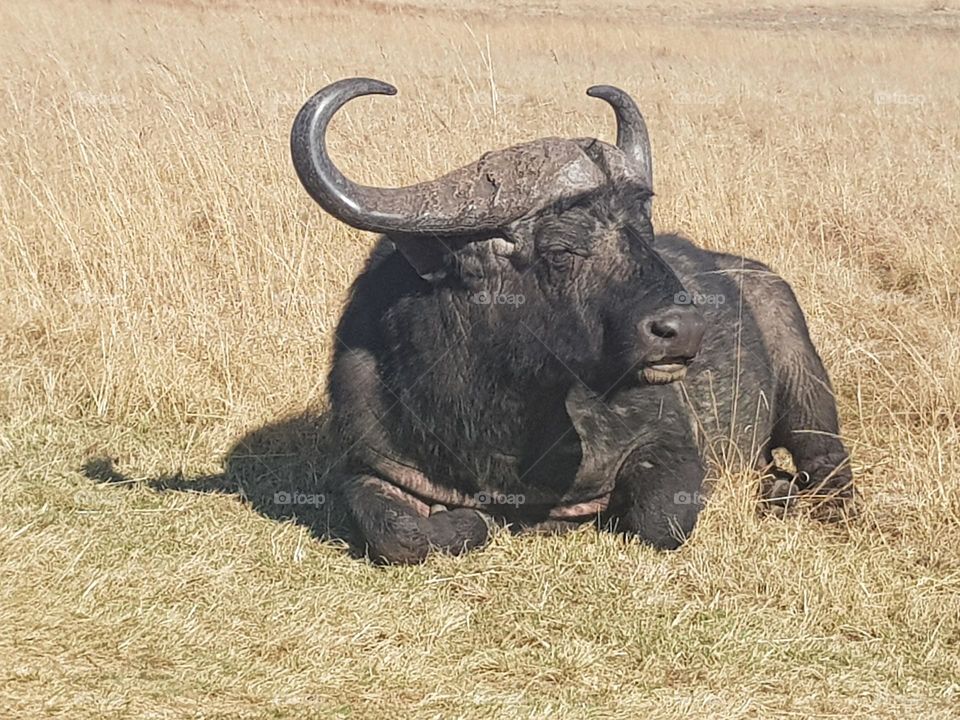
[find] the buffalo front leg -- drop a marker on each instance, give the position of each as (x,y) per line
(398,528)
(808,427)
(657,498)
(805,409)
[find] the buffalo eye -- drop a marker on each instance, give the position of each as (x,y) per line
(562,257)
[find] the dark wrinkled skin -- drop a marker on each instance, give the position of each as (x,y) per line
(543,399)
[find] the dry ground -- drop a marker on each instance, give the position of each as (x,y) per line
(166,287)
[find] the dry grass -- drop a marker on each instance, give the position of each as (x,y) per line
(166,286)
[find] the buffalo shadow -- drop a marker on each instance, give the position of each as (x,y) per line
(283,470)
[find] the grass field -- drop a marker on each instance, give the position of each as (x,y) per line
(167,289)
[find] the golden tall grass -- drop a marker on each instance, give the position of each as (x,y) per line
(167,286)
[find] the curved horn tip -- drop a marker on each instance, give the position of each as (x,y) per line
(380,87)
(632,137)
(363,86)
(604,91)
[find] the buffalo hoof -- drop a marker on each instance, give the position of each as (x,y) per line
(459,530)
(780,494)
(412,538)
(827,490)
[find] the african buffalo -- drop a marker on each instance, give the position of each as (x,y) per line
(514,349)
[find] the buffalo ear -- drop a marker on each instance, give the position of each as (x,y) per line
(426,257)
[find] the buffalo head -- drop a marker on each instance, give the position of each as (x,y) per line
(544,250)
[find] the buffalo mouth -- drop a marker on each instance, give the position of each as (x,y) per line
(665,371)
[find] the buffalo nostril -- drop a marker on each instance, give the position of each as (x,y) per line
(674,333)
(665,329)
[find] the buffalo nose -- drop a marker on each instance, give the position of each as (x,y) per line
(674,333)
